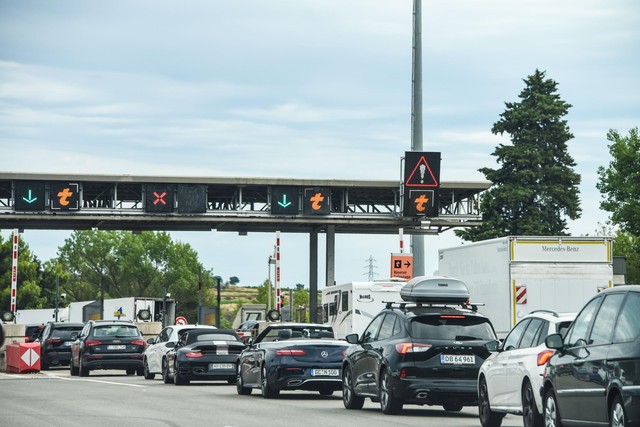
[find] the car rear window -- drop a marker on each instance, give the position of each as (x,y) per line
(62,332)
(212,337)
(453,328)
(115,331)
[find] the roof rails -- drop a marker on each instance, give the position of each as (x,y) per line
(403,304)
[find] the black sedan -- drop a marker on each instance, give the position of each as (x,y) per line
(204,354)
(292,357)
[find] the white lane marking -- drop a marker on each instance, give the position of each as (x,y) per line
(54,376)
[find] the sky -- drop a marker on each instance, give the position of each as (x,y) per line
(317,89)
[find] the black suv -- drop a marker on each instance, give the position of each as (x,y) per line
(107,344)
(55,343)
(593,377)
(427,351)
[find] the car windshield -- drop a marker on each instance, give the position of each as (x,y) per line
(280,334)
(114,331)
(454,328)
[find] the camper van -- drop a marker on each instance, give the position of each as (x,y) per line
(349,308)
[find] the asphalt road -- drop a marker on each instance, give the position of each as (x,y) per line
(111,398)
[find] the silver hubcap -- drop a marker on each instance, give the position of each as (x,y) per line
(617,416)
(484,401)
(384,391)
(346,389)
(550,412)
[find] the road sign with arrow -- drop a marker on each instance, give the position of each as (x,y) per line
(402,266)
(29,196)
(285,200)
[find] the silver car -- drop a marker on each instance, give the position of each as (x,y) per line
(154,358)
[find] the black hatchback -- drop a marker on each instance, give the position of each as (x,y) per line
(593,379)
(418,353)
(107,344)
(55,343)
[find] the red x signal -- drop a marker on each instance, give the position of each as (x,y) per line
(159,198)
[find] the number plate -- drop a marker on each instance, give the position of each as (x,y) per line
(325,372)
(67,343)
(214,366)
(457,359)
(116,347)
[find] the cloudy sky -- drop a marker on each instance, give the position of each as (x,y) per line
(301,89)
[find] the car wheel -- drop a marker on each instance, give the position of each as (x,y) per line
(388,402)
(84,372)
(177,378)
(72,369)
(145,366)
(242,390)
(168,379)
(618,416)
(452,407)
(530,415)
(488,418)
(349,398)
(551,413)
(268,392)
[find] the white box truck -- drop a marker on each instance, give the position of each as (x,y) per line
(349,307)
(117,309)
(513,276)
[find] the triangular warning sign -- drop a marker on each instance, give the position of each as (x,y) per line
(422,175)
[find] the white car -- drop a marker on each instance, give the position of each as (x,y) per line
(510,380)
(153,360)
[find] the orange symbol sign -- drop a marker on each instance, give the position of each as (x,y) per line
(402,266)
(64,196)
(316,199)
(421,202)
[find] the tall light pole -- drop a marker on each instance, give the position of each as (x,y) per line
(417,241)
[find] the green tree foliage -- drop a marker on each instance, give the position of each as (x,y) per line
(146,264)
(29,293)
(627,245)
(535,188)
(620,182)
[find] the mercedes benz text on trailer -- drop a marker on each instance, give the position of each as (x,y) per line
(349,307)
(513,276)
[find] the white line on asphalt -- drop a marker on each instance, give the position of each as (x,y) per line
(54,376)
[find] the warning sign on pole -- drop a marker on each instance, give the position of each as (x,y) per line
(521,294)
(402,266)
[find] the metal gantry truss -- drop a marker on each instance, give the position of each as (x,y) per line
(116,202)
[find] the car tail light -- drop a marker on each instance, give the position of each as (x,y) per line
(543,356)
(52,340)
(90,343)
(139,342)
(409,347)
(291,352)
(193,354)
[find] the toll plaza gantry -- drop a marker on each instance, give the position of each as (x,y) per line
(242,205)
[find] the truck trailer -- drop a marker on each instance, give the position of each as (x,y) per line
(349,307)
(512,276)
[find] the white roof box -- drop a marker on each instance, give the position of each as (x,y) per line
(435,289)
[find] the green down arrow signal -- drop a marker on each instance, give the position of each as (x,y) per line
(284,202)
(31,198)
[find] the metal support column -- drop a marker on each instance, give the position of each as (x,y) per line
(331,256)
(313,276)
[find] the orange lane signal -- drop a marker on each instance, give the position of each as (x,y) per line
(317,201)
(421,202)
(65,196)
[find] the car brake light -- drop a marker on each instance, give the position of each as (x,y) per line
(52,340)
(408,347)
(543,356)
(451,316)
(291,352)
(193,354)
(139,342)
(90,343)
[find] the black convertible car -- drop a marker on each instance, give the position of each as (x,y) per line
(204,354)
(292,357)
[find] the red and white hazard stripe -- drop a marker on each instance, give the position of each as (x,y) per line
(14,271)
(521,294)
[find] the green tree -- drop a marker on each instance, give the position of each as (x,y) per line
(29,293)
(131,265)
(619,183)
(536,188)
(627,245)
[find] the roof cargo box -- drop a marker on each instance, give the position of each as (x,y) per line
(435,289)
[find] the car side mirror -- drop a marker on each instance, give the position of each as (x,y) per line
(170,344)
(493,346)
(352,338)
(151,341)
(554,342)
(74,336)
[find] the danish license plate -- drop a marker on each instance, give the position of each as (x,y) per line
(325,372)
(457,359)
(116,347)
(214,366)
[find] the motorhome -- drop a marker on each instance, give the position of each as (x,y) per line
(349,307)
